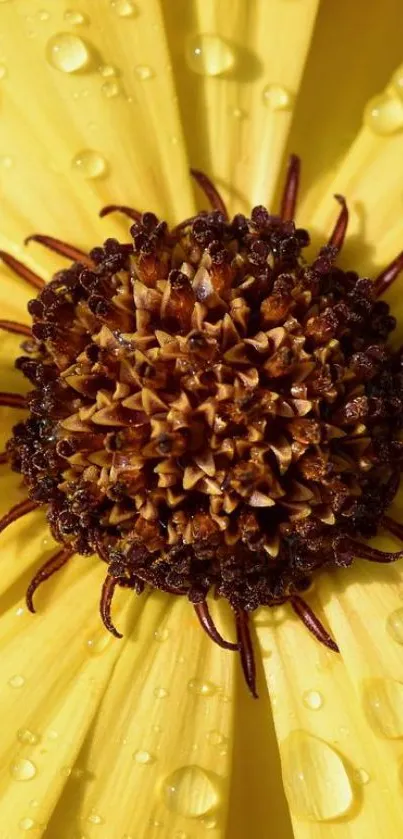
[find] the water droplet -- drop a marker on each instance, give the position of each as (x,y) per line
(210,824)
(180,834)
(22,769)
(16,681)
(202,688)
(52,734)
(157,729)
(361,776)
(144,72)
(77,773)
(238,113)
(92,164)
(68,53)
(277,98)
(95,818)
(190,791)
(65,771)
(383,703)
(3,71)
(34,803)
(74,17)
(160,693)
(394,625)
(27,824)
(384,114)
(315,778)
(209,55)
(143,757)
(107,71)
(124,8)
(111,89)
(215,738)
(25,735)
(313,699)
(162,634)
(43,15)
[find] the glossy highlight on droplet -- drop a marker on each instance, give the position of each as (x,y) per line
(144,72)
(22,769)
(25,735)
(16,681)
(124,8)
(68,53)
(27,823)
(384,114)
(95,818)
(202,687)
(190,791)
(383,704)
(110,89)
(313,700)
(277,98)
(74,17)
(209,55)
(91,164)
(143,757)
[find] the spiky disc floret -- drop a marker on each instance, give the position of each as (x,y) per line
(209,411)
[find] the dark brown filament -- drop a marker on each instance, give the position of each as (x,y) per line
(387,277)
(186,223)
(340,228)
(16,328)
(12,400)
(206,621)
(393,527)
(245,647)
(47,570)
(3,457)
(290,191)
(108,589)
(17,512)
(135,215)
(373,554)
(312,623)
(62,248)
(210,191)
(22,271)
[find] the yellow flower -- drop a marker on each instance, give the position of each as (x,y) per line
(110,102)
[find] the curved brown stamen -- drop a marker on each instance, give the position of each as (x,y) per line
(337,238)
(12,400)
(186,223)
(15,328)
(388,275)
(210,191)
(172,590)
(108,589)
(135,215)
(3,457)
(312,623)
(373,554)
(17,512)
(47,570)
(393,527)
(22,270)
(245,647)
(62,248)
(290,191)
(206,621)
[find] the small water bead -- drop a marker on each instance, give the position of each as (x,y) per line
(209,55)
(160,693)
(52,734)
(316,782)
(215,738)
(210,824)
(27,823)
(16,681)
(74,17)
(33,803)
(3,71)
(238,113)
(384,114)
(43,15)
(180,834)
(66,771)
(312,699)
(111,89)
(124,8)
(91,164)
(361,776)
(383,703)
(143,758)
(68,53)
(162,634)
(25,735)
(22,769)
(20,611)
(107,71)
(95,818)
(144,72)
(190,792)
(394,625)
(277,98)
(202,688)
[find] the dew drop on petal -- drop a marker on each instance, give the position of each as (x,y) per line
(3,71)
(95,818)
(190,792)
(22,769)
(68,53)
(312,699)
(143,758)
(361,776)
(91,164)
(180,834)
(65,771)
(200,687)
(238,113)
(210,824)
(161,634)
(107,70)
(52,734)
(34,803)
(25,735)
(277,98)
(27,823)
(383,703)
(394,625)
(43,15)
(74,17)
(111,89)
(160,693)
(16,681)
(124,8)
(316,782)
(215,738)
(209,54)
(384,114)
(144,72)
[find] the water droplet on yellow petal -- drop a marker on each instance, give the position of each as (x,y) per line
(52,734)
(65,771)
(27,824)
(361,776)
(43,15)
(68,53)
(210,824)
(107,70)
(384,114)
(209,55)
(383,702)
(92,164)
(110,89)
(238,113)
(316,782)
(200,687)
(190,792)
(144,72)
(161,634)
(74,17)
(124,8)
(313,700)
(22,769)
(143,757)
(277,98)
(25,735)
(394,625)
(95,818)
(34,803)
(215,738)
(160,693)
(16,681)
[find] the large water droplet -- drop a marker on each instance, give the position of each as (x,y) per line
(25,735)
(315,778)
(313,700)
(209,55)
(277,98)
(383,702)
(16,681)
(27,823)
(144,72)
(143,757)
(22,769)
(384,114)
(68,53)
(190,791)
(201,687)
(92,164)
(394,625)
(74,17)
(124,8)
